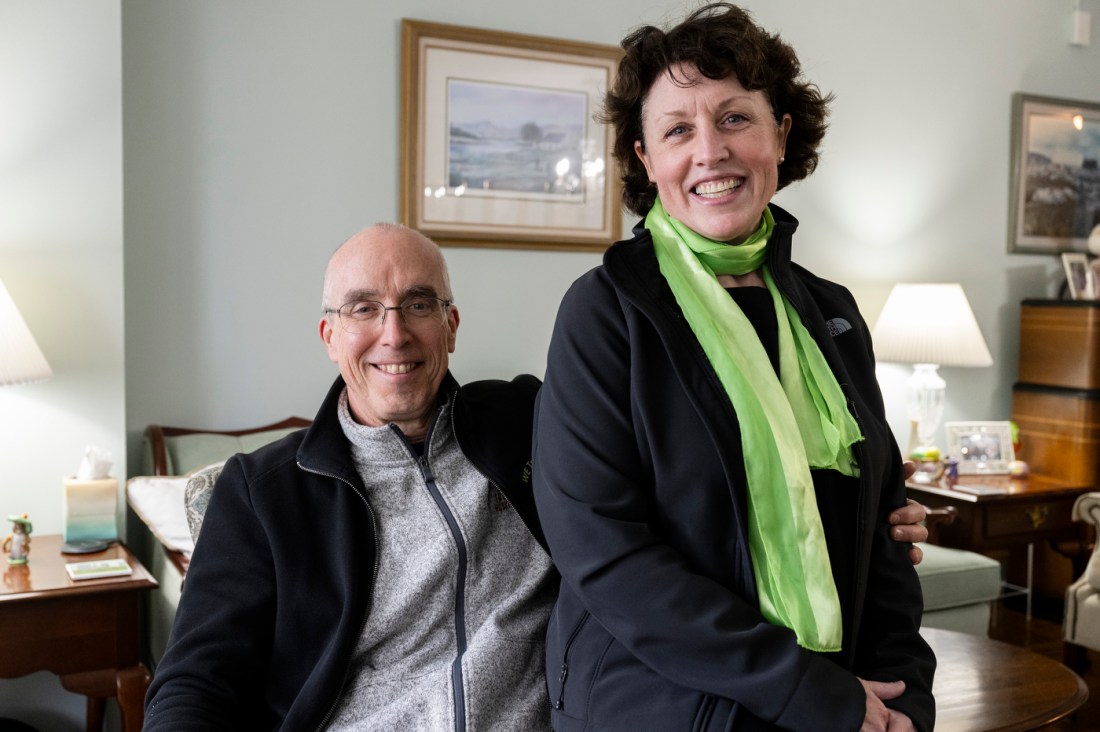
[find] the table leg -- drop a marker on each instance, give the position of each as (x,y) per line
(97,706)
(132,683)
(127,685)
(1030,575)
(97,686)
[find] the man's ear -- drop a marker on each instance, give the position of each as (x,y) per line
(452,328)
(325,330)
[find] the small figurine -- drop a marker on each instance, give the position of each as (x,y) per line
(18,542)
(952,473)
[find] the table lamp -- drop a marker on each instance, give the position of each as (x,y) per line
(21,361)
(928,325)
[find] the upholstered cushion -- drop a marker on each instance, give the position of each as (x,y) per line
(158,501)
(954,577)
(196,497)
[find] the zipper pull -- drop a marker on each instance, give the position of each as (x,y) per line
(561,684)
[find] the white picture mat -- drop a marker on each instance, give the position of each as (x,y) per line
(503,212)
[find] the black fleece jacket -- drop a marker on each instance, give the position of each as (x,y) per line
(640,486)
(280,581)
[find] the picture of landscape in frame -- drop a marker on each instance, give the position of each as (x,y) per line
(1056,181)
(515,139)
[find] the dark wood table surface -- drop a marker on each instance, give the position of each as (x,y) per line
(1028,509)
(86,632)
(983,685)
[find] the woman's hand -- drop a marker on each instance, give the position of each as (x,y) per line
(900,722)
(877,717)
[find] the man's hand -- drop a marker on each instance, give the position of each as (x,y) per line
(907,519)
(877,717)
(906,526)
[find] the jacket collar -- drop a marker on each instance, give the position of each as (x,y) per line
(325,448)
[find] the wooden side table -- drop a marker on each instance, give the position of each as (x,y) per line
(1024,511)
(983,685)
(86,632)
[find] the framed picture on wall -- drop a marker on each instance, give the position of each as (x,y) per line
(980,447)
(1054,196)
(499,145)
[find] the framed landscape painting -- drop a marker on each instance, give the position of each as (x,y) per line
(499,144)
(1054,202)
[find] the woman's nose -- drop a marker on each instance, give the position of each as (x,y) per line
(711,147)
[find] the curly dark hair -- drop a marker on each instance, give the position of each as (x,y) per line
(720,40)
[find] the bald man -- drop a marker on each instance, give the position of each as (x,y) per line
(384,568)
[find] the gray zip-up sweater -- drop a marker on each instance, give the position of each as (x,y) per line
(455,635)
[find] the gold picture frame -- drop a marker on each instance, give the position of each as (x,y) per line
(499,145)
(1054,196)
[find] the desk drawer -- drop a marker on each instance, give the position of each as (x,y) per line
(1029,518)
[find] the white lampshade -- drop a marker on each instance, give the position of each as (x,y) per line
(21,360)
(928,325)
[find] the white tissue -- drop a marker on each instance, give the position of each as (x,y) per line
(94,465)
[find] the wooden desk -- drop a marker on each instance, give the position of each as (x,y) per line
(1029,510)
(983,685)
(87,632)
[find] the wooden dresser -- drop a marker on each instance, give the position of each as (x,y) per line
(1056,402)
(1056,406)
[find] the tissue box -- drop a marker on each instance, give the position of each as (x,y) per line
(90,507)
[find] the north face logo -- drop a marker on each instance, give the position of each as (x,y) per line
(498,502)
(837,326)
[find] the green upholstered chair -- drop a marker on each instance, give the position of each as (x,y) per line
(959,589)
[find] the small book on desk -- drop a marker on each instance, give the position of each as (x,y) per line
(98,569)
(980,490)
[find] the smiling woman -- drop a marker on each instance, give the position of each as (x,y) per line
(714,498)
(713,150)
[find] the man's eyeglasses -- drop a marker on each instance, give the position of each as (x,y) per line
(363,316)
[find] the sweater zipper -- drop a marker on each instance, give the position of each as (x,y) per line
(460,579)
(370,596)
(460,591)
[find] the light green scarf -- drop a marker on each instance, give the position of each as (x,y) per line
(789,424)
